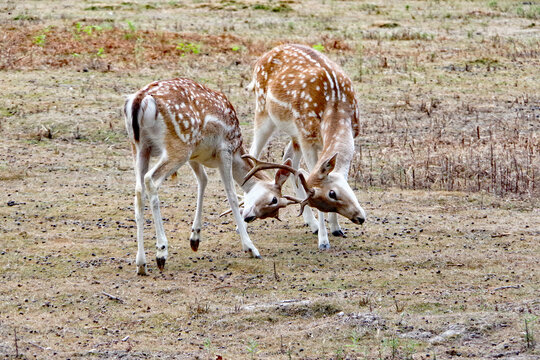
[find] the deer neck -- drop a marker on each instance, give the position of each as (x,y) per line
(240,168)
(337,138)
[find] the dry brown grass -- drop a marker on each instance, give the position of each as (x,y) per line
(447,168)
(107,48)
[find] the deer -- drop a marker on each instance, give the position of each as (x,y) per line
(304,94)
(181,121)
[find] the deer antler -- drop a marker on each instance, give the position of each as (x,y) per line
(309,193)
(230,210)
(262,165)
(292,199)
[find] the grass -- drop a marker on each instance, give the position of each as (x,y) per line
(446,167)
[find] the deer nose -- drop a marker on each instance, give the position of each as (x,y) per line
(249,218)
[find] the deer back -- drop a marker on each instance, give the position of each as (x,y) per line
(307,86)
(180,114)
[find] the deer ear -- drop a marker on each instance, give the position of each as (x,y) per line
(282,175)
(327,166)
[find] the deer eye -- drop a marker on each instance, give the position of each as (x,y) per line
(332,195)
(274,201)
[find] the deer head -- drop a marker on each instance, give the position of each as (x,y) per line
(263,199)
(329,191)
(326,190)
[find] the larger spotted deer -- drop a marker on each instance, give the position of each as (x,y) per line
(303,93)
(182,121)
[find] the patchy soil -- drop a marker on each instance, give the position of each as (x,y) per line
(447,167)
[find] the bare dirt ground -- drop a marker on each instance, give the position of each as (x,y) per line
(447,167)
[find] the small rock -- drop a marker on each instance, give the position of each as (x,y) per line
(418,335)
(437,340)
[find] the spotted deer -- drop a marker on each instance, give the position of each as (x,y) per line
(303,93)
(182,121)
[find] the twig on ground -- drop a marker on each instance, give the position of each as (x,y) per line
(112,297)
(16,343)
(275,272)
(39,346)
(499,235)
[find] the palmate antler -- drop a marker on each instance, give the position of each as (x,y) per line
(263,165)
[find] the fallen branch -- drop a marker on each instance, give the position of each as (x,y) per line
(112,297)
(39,346)
(508,287)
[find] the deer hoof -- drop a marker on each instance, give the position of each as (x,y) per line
(339,233)
(141,270)
(194,244)
(160,263)
(254,254)
(324,246)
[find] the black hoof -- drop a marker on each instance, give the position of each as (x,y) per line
(258,257)
(194,244)
(339,233)
(316,232)
(324,247)
(160,263)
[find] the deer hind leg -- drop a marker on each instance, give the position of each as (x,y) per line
(292,151)
(153,180)
(311,157)
(225,170)
(202,180)
(141,159)
(264,128)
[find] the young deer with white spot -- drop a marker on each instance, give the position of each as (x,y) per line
(300,91)
(181,121)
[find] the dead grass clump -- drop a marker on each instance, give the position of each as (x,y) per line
(497,158)
(9,174)
(315,309)
(109,48)
(407,34)
(335,44)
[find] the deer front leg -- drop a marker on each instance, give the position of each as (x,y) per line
(264,128)
(335,229)
(292,151)
(311,157)
(324,244)
(202,180)
(225,170)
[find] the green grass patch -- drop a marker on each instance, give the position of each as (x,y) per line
(426,307)
(389,25)
(316,309)
(281,7)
